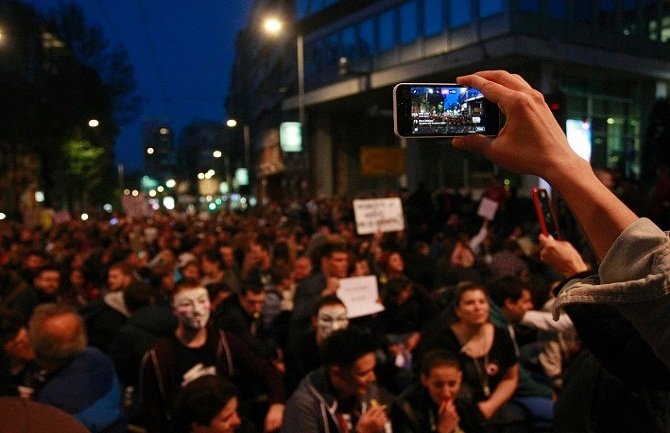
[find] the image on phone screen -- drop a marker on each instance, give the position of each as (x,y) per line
(442,110)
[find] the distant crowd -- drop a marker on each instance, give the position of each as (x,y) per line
(231,321)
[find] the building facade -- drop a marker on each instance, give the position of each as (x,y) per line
(609,60)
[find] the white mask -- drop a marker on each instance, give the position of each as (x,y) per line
(192,307)
(330,319)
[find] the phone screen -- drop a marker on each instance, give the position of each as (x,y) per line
(442,110)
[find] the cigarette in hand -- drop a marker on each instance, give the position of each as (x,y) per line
(374,404)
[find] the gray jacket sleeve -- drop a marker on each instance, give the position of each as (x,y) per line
(634,277)
(304,414)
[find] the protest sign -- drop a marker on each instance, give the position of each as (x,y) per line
(378,214)
(360,295)
(487,209)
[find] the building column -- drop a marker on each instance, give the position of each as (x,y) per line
(321,151)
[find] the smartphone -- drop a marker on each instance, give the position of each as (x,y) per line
(545,212)
(429,110)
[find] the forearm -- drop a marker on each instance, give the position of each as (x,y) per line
(543,321)
(601,215)
(502,393)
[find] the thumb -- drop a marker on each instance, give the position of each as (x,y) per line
(474,143)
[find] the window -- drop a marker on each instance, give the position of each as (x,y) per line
(366,38)
(530,6)
(557,9)
(306,8)
(583,12)
(433,17)
(387,39)
(408,22)
(349,48)
(606,13)
(629,18)
(460,12)
(313,58)
(489,8)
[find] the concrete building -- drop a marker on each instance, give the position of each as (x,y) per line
(603,62)
(157,140)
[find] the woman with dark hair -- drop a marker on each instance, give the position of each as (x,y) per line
(209,405)
(435,403)
(458,263)
(392,265)
(490,364)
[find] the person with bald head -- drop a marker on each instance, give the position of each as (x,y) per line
(76,378)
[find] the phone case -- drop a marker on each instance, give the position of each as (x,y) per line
(545,213)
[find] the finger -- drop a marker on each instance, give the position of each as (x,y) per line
(501,89)
(474,143)
(504,78)
(545,240)
(512,81)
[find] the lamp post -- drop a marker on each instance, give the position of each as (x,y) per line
(273,26)
(246,140)
(226,166)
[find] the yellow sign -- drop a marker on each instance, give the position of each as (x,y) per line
(376,161)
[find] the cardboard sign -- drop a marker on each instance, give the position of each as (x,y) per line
(360,295)
(384,214)
(487,209)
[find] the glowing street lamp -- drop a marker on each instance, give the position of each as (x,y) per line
(272,25)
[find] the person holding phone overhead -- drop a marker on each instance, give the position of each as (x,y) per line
(634,252)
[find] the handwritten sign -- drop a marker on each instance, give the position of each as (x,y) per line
(383,214)
(487,209)
(360,295)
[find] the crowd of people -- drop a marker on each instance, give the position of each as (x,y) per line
(232,322)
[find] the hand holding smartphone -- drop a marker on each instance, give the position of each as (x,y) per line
(433,110)
(545,213)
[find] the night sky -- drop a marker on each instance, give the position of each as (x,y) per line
(182,52)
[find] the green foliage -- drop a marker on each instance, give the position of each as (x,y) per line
(82,157)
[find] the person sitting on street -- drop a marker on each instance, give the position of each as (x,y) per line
(341,395)
(196,349)
(209,405)
(434,403)
(76,378)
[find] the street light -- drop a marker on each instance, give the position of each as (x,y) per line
(273,26)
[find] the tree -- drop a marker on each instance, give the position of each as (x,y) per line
(62,73)
(89,46)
